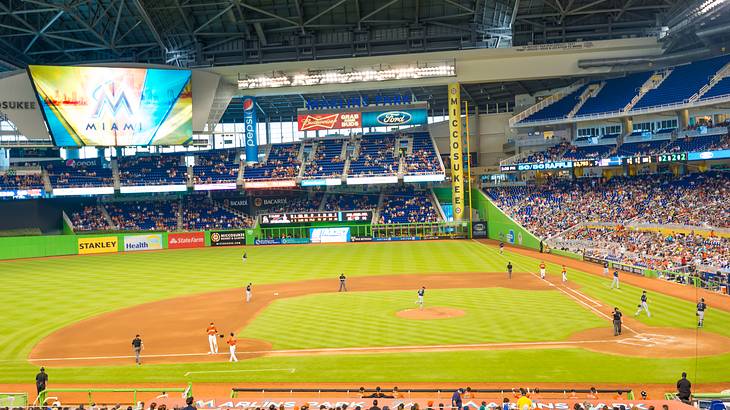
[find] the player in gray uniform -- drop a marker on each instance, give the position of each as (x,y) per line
(701,307)
(614,282)
(419,301)
(248,293)
(643,305)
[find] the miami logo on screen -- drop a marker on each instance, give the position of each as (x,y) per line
(107,106)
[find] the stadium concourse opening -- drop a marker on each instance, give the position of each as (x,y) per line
(251,204)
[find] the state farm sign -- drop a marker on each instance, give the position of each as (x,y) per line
(336,121)
(186,240)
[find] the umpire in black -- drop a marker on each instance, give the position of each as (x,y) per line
(40,380)
(617,322)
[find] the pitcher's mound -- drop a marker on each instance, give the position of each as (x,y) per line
(430,313)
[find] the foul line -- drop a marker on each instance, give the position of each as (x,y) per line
(583,303)
(290,370)
(377,349)
(595,302)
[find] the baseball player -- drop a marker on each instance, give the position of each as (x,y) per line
(617,322)
(564,272)
(643,305)
(248,293)
(232,348)
(509,269)
(501,248)
(542,270)
(614,282)
(343,283)
(137,346)
(212,342)
(701,307)
(419,301)
(245,257)
(605,268)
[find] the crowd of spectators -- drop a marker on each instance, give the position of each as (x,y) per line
(376,156)
(407,205)
(200,213)
(326,162)
(698,199)
(89,218)
(423,159)
(144,215)
(551,154)
(652,249)
(351,202)
(282,163)
(216,167)
(26,181)
(72,174)
(152,170)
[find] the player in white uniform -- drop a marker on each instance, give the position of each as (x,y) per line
(565,274)
(212,342)
(605,268)
(419,301)
(248,293)
(542,270)
(643,305)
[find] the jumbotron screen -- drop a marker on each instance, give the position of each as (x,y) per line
(108,106)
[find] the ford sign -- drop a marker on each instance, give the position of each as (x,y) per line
(394,118)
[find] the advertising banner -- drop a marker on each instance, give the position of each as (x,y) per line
(227,238)
(152,188)
(492,403)
(215,187)
(335,121)
(146,242)
(281,241)
(250,123)
(394,118)
(455,135)
(321,182)
(83,191)
(424,178)
(186,240)
(115,106)
(104,244)
(21,193)
(284,183)
(707,155)
(329,235)
(393,179)
(479,230)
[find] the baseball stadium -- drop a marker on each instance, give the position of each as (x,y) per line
(364,205)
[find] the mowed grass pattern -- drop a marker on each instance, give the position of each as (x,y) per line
(42,295)
(359,319)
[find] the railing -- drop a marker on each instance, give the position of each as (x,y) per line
(447,391)
(545,102)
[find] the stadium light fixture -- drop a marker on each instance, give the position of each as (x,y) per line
(348,76)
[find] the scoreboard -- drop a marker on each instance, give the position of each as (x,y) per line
(306,217)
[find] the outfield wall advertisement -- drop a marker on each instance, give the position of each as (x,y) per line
(103,244)
(501,227)
(147,242)
(227,238)
(329,235)
(186,240)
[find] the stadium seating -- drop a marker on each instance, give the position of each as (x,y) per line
(73,174)
(376,156)
(699,143)
(588,152)
(558,109)
(721,88)
(200,213)
(28,181)
(326,161)
(683,82)
(88,219)
(216,167)
(698,199)
(282,163)
(642,148)
(351,202)
(615,94)
(296,203)
(152,170)
(408,205)
(144,215)
(423,158)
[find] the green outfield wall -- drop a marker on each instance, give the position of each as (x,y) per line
(500,226)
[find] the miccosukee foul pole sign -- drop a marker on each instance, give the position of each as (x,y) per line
(455,136)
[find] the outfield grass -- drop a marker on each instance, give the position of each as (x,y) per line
(359,319)
(42,295)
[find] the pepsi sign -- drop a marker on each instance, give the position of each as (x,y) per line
(250,125)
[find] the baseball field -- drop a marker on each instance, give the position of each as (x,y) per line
(77,316)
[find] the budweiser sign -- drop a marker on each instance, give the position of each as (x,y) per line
(315,122)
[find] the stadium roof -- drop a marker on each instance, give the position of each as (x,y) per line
(196,33)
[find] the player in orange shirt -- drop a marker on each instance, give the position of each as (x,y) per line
(212,333)
(232,348)
(542,270)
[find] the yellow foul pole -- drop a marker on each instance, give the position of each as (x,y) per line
(468,164)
